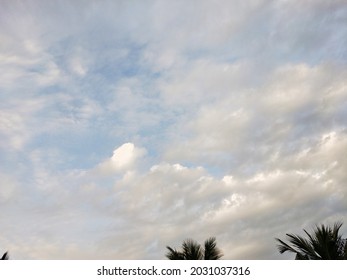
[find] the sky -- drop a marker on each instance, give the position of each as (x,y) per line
(129,126)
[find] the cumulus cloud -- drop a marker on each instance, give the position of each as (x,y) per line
(123,158)
(170,202)
(290,111)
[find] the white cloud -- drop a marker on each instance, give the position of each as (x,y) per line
(16,120)
(8,188)
(49,76)
(123,158)
(80,61)
(203,81)
(78,67)
(289,111)
(171,202)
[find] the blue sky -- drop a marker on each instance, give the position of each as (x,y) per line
(127,126)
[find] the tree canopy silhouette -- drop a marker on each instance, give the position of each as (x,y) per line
(324,244)
(192,250)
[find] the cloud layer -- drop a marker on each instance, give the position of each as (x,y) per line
(130,126)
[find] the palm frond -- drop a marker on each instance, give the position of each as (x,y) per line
(5,256)
(302,245)
(173,254)
(324,243)
(192,250)
(211,252)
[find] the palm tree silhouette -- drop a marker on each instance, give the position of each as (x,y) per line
(324,244)
(4,256)
(192,250)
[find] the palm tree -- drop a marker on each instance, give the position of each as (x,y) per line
(324,244)
(4,256)
(192,250)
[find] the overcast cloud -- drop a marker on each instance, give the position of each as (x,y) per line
(127,126)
